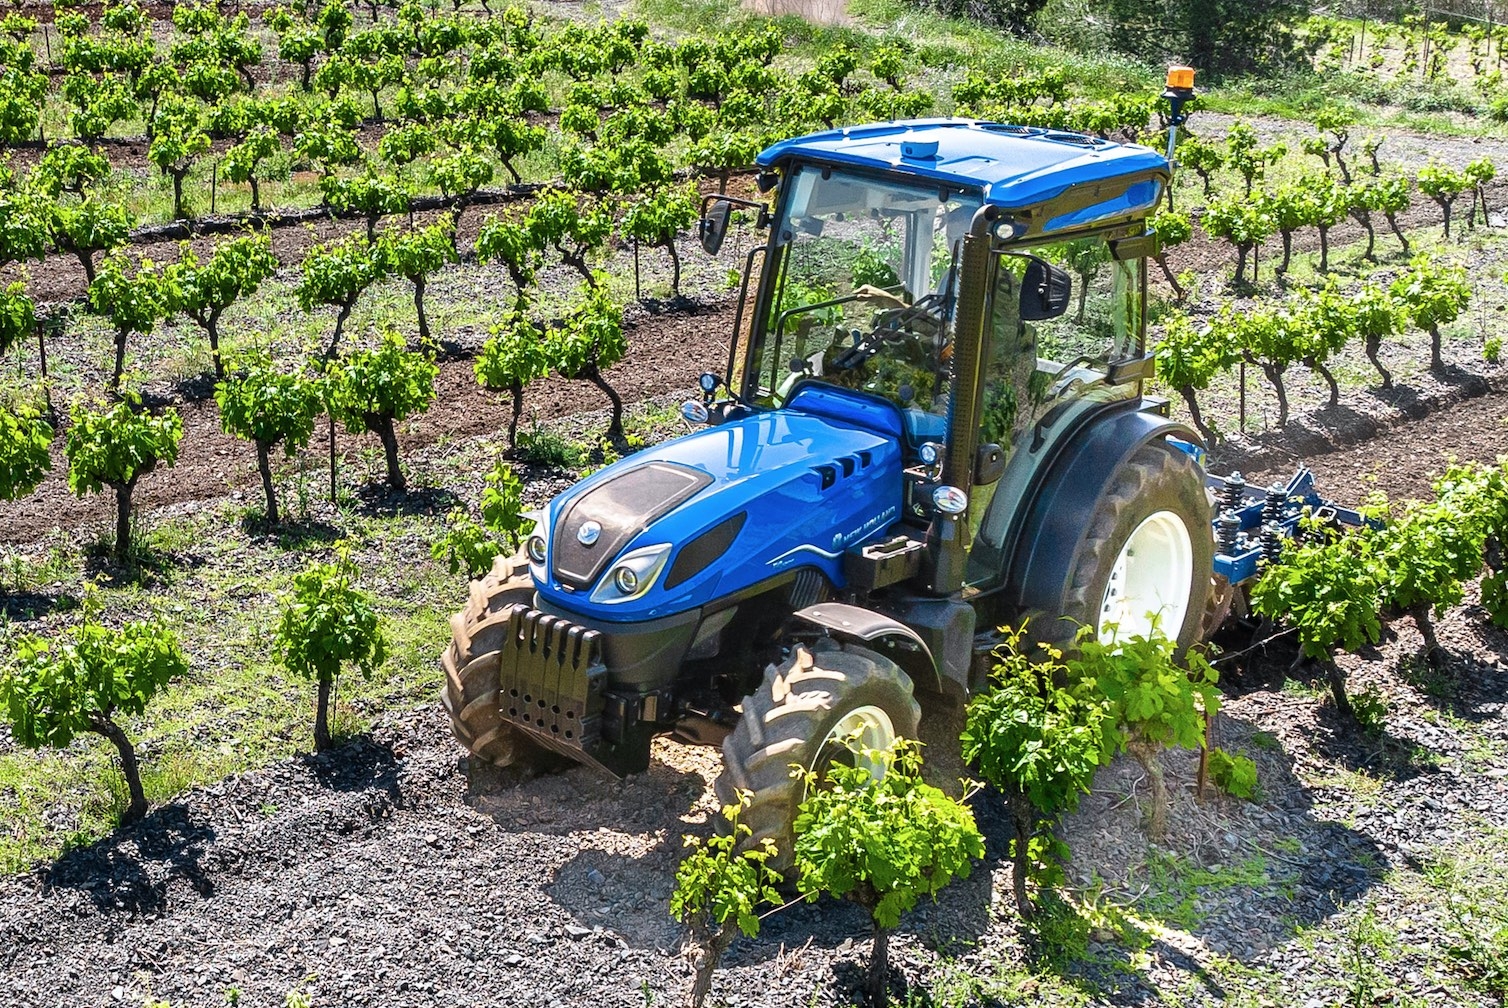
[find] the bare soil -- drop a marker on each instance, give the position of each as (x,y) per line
(666,352)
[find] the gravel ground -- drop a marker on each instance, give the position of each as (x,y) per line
(385,872)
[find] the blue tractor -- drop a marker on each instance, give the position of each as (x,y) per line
(931,423)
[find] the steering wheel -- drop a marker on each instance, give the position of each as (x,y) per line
(922,318)
(864,347)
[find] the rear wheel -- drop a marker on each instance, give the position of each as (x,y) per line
(802,714)
(471,664)
(1145,561)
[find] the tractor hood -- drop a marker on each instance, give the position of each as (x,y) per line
(721,509)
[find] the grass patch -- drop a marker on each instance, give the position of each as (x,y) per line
(237,709)
(1180,889)
(952,986)
(1362,787)
(1473,884)
(544,446)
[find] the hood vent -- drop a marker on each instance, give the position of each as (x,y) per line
(829,473)
(701,552)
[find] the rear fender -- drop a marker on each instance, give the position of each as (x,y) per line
(880,633)
(1066,496)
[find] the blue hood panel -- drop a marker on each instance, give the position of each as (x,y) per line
(811,486)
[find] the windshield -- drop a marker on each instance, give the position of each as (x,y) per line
(865,290)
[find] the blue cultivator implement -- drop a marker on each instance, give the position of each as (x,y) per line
(1253,522)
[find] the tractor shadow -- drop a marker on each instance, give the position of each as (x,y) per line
(625,835)
(623,885)
(1239,877)
(131,870)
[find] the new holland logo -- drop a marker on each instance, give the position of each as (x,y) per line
(589,532)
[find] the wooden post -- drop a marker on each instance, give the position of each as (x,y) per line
(214,176)
(1204,756)
(1424,48)
(332,459)
(1243,397)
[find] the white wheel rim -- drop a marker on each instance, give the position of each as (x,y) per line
(1150,583)
(863,728)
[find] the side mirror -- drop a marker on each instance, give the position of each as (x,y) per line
(714,226)
(989,464)
(1045,290)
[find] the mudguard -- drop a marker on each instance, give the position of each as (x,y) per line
(1046,540)
(886,636)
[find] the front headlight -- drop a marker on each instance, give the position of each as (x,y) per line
(536,549)
(633,575)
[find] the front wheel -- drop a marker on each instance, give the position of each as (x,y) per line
(1144,563)
(801,716)
(471,664)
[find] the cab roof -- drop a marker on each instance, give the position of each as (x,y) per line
(1014,166)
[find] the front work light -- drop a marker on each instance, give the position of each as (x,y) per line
(950,500)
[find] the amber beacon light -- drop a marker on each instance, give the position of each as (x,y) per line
(1180,78)
(1179,92)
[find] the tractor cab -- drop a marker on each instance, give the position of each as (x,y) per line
(862,286)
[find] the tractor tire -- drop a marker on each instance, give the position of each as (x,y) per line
(471,669)
(813,698)
(1149,544)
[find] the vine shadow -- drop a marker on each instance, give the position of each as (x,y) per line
(1417,403)
(355,764)
(131,870)
(291,535)
(1471,677)
(145,567)
(25,606)
(196,387)
(1271,665)
(378,500)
